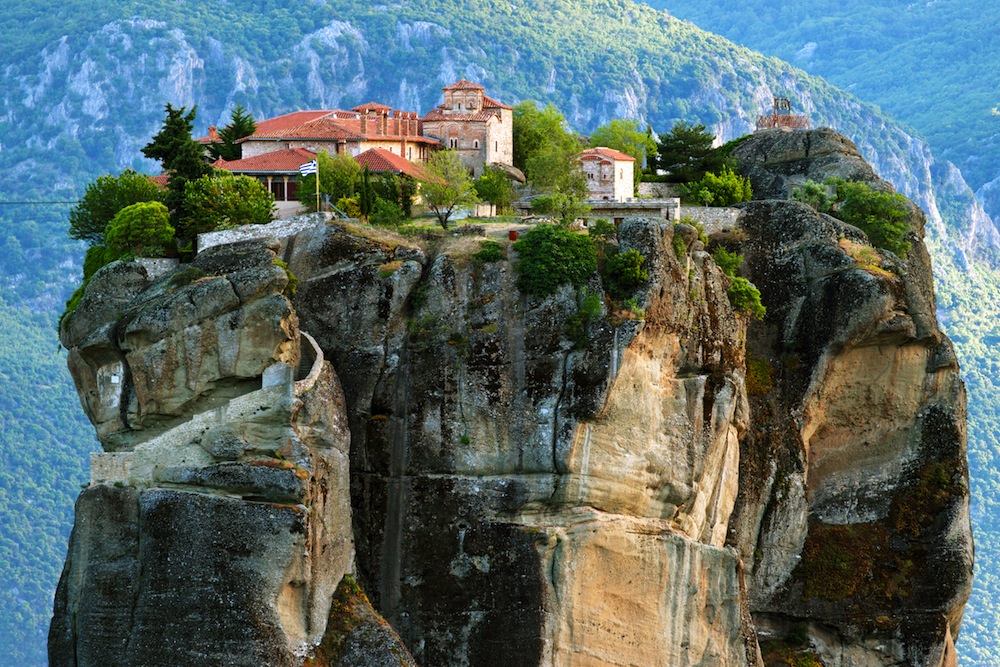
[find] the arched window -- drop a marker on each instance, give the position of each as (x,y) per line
(475,143)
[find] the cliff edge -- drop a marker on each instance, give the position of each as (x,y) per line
(514,479)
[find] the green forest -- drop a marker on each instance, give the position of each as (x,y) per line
(86,84)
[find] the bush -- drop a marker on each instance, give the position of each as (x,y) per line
(386,213)
(223,201)
(578,324)
(143,229)
(729,262)
(723,189)
(814,194)
(552,255)
(490,251)
(745,297)
(349,206)
(623,272)
(603,230)
(883,216)
(102,200)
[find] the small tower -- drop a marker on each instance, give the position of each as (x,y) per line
(782,116)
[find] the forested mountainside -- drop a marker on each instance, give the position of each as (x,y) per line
(84,87)
(929,64)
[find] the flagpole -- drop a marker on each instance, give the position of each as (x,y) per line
(317,182)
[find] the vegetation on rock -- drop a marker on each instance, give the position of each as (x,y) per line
(553,255)
(104,198)
(224,201)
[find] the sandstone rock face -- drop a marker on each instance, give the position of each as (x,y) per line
(519,490)
(853,514)
(518,480)
(228,527)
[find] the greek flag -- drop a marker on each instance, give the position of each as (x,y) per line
(308,168)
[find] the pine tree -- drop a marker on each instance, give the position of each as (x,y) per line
(241,124)
(182,157)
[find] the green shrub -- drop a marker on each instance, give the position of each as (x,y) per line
(350,206)
(578,324)
(745,297)
(680,248)
(552,255)
(729,262)
(603,230)
(143,229)
(490,251)
(723,189)
(883,216)
(632,305)
(224,201)
(814,194)
(386,213)
(623,272)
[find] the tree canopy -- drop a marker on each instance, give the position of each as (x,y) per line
(141,229)
(626,136)
(339,178)
(686,154)
(104,197)
(182,157)
(241,124)
(223,200)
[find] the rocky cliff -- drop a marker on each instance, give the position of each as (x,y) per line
(682,487)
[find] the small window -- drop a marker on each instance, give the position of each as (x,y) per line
(475,143)
(459,106)
(453,142)
(590,175)
(496,146)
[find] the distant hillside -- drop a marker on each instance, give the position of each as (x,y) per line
(84,87)
(930,64)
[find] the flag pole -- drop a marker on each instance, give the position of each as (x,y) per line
(317,182)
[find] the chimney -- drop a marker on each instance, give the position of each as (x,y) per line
(213,134)
(385,122)
(364,123)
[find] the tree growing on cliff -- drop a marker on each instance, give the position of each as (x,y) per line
(241,124)
(102,200)
(883,216)
(553,255)
(448,186)
(182,158)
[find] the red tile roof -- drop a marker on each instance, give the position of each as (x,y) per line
(490,103)
(463,84)
(335,126)
(162,180)
(371,106)
(603,151)
(441,112)
(284,161)
(379,160)
(282,122)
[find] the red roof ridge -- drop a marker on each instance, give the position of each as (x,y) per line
(604,151)
(463,84)
(490,103)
